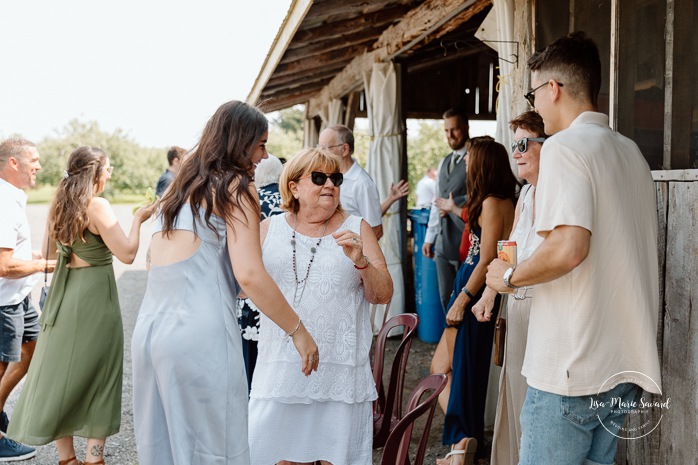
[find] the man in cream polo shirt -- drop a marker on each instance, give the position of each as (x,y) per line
(593,321)
(19,270)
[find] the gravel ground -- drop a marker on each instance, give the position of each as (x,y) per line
(131,281)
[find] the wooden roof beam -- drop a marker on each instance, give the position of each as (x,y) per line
(299,89)
(329,46)
(337,29)
(356,7)
(319,62)
(419,23)
(294,17)
(270,104)
(325,71)
(457,21)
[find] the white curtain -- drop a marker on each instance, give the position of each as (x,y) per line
(384,166)
(497,31)
(310,134)
(335,111)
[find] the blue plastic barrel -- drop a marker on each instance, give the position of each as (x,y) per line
(432,317)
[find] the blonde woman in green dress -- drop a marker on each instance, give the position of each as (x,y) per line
(73,386)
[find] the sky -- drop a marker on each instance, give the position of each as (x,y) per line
(155,69)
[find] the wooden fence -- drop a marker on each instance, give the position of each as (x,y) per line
(675,441)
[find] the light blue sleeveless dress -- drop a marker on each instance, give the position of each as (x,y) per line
(189,383)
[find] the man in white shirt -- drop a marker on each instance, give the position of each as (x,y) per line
(444,230)
(425,191)
(19,268)
(593,321)
(359,194)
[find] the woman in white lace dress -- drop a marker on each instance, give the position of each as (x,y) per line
(329,267)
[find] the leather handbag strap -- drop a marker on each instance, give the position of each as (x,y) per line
(48,244)
(502,306)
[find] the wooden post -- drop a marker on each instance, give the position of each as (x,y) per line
(679,94)
(524,33)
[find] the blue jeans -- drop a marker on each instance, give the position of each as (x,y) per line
(562,430)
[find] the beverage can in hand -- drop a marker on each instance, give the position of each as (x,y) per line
(506,250)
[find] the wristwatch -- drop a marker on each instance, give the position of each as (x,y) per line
(507,277)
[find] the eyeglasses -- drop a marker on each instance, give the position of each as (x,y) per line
(522,144)
(319,178)
(325,147)
(530,96)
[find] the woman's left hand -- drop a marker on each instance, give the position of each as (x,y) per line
(146,211)
(455,313)
(352,246)
(446,205)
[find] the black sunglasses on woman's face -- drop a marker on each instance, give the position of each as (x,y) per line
(319,178)
(522,144)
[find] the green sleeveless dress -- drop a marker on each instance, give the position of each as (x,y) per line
(73,386)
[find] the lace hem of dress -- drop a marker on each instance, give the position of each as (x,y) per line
(285,382)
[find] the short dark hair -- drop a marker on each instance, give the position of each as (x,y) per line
(531,122)
(459,112)
(574,60)
(344,135)
(175,152)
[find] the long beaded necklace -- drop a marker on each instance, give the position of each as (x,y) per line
(296,296)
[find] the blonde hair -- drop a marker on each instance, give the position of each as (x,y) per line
(303,163)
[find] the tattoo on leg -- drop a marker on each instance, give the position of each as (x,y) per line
(97,450)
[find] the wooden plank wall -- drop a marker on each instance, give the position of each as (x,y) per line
(675,441)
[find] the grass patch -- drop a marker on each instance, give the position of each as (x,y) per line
(44,194)
(40,194)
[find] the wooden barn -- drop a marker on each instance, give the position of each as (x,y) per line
(390,60)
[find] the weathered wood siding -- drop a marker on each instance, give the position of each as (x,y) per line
(675,441)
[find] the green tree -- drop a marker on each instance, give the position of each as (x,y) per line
(135,167)
(425,149)
(290,120)
(286,132)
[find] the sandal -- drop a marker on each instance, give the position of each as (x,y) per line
(101,462)
(70,461)
(468,453)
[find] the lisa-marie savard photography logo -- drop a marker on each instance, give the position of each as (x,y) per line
(643,412)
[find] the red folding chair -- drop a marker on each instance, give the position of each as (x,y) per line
(396,451)
(387,409)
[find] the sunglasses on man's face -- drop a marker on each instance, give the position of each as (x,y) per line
(522,144)
(319,178)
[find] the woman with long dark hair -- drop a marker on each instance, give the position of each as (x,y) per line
(189,384)
(73,386)
(465,348)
